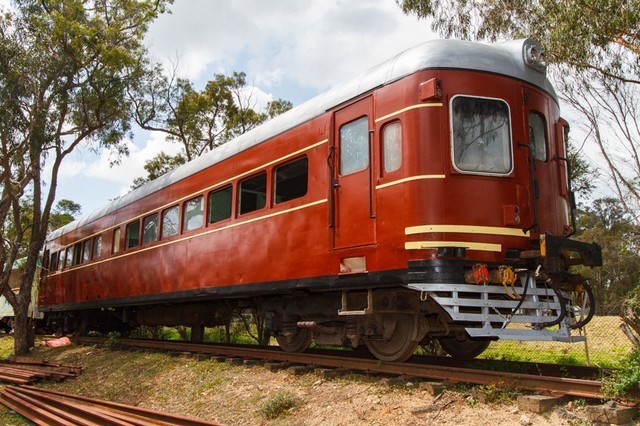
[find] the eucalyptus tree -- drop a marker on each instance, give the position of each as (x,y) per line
(198,121)
(594,47)
(66,68)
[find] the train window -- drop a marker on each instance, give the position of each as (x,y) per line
(61,259)
(86,251)
(481,135)
(77,253)
(97,247)
(538,135)
(392,146)
(291,180)
(220,204)
(354,146)
(193,214)
(132,235)
(170,221)
(68,257)
(54,262)
(150,228)
(116,240)
(253,193)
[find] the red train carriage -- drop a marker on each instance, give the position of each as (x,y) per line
(426,199)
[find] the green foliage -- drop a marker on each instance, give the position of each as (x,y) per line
(66,211)
(607,224)
(67,69)
(158,166)
(625,379)
(496,394)
(113,340)
(595,34)
(280,404)
(198,120)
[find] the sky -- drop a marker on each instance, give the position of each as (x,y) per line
(289,49)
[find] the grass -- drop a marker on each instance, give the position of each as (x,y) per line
(280,404)
(608,347)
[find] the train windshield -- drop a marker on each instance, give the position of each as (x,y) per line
(481,132)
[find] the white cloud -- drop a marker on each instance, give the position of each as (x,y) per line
(316,44)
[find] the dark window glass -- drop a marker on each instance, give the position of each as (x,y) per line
(86,251)
(170,221)
(193,214)
(220,204)
(291,180)
(77,253)
(538,135)
(354,146)
(54,262)
(132,235)
(97,247)
(116,240)
(253,193)
(481,135)
(150,228)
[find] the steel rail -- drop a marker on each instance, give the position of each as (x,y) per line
(555,385)
(48,408)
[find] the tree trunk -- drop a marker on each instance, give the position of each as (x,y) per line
(24,337)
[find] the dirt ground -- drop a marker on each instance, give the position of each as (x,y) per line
(240,395)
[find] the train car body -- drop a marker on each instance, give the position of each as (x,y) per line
(428,198)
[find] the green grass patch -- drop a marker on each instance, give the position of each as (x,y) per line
(280,404)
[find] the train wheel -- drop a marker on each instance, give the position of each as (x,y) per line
(299,342)
(400,346)
(466,349)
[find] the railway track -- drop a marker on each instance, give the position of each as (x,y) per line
(416,367)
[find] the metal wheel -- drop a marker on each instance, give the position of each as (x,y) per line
(400,345)
(299,342)
(465,349)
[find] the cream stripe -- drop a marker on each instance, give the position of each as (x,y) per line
(465,229)
(202,234)
(409,179)
(421,245)
(384,117)
(186,197)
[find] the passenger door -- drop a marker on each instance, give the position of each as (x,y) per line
(354,219)
(540,138)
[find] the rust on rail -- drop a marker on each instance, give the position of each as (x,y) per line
(555,385)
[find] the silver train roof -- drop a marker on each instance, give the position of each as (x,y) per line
(511,58)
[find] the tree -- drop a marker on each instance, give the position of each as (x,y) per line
(199,121)
(607,223)
(66,211)
(594,47)
(66,68)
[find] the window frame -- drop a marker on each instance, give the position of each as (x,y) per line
(77,254)
(183,218)
(368,150)
(163,213)
(384,127)
(452,140)
(239,193)
(116,243)
(209,205)
(143,226)
(87,243)
(126,234)
(274,179)
(94,245)
(546,135)
(53,265)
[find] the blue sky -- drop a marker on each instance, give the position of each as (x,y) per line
(289,49)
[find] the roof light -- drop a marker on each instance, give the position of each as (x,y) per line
(533,56)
